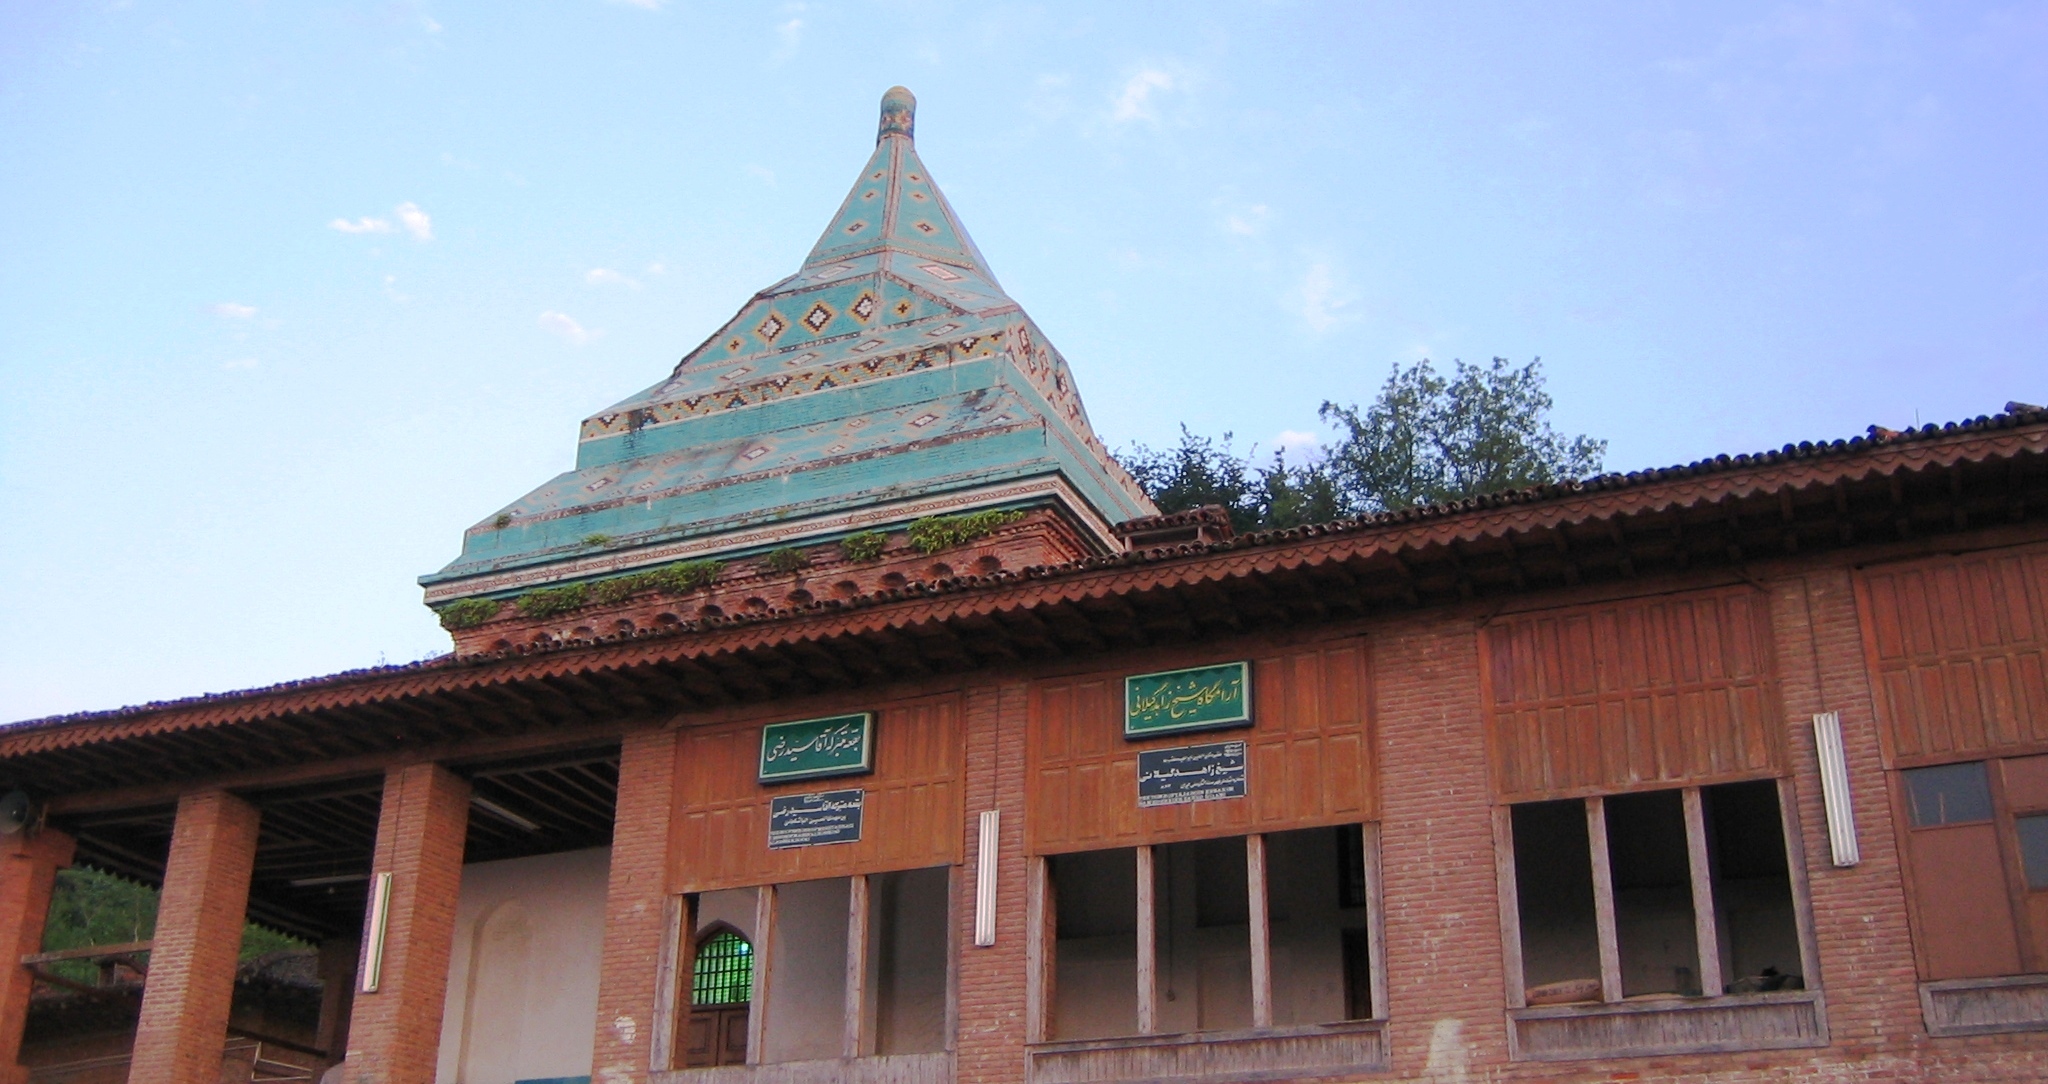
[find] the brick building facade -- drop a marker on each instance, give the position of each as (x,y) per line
(960,765)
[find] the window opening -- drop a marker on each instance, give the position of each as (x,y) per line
(2033,833)
(1948,794)
(806,1001)
(1554,900)
(1653,914)
(1315,891)
(721,976)
(1095,954)
(724,971)
(1203,935)
(1754,913)
(907,966)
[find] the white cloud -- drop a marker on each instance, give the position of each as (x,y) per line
(605,276)
(767,175)
(789,35)
(1298,448)
(644,5)
(565,326)
(416,221)
(1135,102)
(656,268)
(1324,298)
(1247,222)
(365,224)
(240,363)
(431,26)
(233,310)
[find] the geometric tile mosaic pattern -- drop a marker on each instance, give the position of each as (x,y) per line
(890,366)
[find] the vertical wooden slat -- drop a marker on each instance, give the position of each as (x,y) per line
(1261,931)
(953,886)
(856,966)
(1795,866)
(672,970)
(1039,920)
(1510,905)
(1375,922)
(1148,946)
(1706,930)
(1603,901)
(764,972)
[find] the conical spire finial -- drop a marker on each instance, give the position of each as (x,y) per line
(899,114)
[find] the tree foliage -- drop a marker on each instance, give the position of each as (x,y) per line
(89,908)
(1428,438)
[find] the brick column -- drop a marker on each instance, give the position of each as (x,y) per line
(394,1035)
(337,971)
(1859,914)
(1445,982)
(990,1040)
(28,873)
(199,922)
(634,907)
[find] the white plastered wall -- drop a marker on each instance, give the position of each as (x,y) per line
(522,980)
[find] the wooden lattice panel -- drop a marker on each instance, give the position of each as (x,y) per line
(1634,694)
(1958,654)
(1310,759)
(911,816)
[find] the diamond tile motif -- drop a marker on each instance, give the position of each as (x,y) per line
(923,420)
(865,307)
(940,271)
(868,344)
(818,317)
(755,452)
(772,327)
(924,227)
(903,307)
(855,227)
(736,373)
(942,329)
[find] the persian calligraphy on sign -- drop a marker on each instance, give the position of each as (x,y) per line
(1196,699)
(811,820)
(810,748)
(1191,773)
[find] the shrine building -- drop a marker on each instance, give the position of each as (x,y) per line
(848,715)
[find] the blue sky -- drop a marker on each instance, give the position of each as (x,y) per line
(291,294)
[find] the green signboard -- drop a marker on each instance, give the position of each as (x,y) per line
(810,748)
(1203,698)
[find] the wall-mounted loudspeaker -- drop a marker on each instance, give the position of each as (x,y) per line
(17,812)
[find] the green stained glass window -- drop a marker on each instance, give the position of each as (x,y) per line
(724,974)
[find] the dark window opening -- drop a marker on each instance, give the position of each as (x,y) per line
(1554,900)
(1202,935)
(1653,915)
(1316,903)
(1095,913)
(1948,794)
(1754,917)
(2033,833)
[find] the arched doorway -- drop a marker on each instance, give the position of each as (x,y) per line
(721,988)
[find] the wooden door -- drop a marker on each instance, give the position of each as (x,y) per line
(716,1037)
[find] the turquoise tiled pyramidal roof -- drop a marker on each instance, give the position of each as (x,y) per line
(889,378)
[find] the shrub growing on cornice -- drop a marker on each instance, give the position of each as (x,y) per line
(550,601)
(935,533)
(468,613)
(787,559)
(864,546)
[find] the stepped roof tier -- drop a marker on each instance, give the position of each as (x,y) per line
(888,380)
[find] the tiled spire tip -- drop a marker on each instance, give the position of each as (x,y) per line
(899,114)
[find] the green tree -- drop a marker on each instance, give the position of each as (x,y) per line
(1426,439)
(89,908)
(1429,439)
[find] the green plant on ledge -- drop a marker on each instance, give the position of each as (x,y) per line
(787,559)
(549,601)
(597,539)
(468,613)
(934,533)
(503,521)
(863,546)
(679,578)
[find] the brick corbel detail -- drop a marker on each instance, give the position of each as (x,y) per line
(394,1035)
(199,921)
(635,905)
(28,874)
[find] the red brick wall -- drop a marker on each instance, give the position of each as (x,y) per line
(28,871)
(990,1040)
(394,1035)
(199,923)
(642,844)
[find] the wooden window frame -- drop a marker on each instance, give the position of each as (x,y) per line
(1041,937)
(675,967)
(1705,931)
